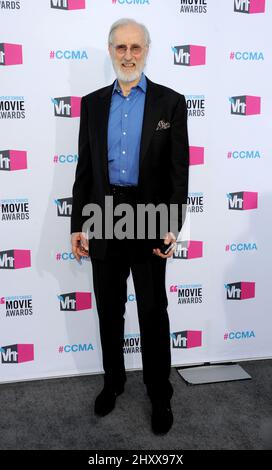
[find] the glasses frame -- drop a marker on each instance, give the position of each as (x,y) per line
(122,53)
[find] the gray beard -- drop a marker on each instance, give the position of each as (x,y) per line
(127,78)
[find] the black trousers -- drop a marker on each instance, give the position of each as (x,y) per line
(110,286)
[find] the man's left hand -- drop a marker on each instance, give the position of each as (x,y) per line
(168,238)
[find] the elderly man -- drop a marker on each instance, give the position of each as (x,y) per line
(133,146)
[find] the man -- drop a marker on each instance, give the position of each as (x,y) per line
(133,145)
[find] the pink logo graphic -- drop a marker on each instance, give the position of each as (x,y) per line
(11,160)
(243,200)
(68,106)
(17,353)
(15,259)
(189,55)
(186,339)
(249,6)
(75,301)
(173,288)
(10,54)
(245,105)
(188,249)
(68,4)
(240,290)
(196,155)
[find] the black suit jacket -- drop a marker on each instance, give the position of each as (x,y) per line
(164,154)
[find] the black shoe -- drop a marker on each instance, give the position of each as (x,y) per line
(162,416)
(105,401)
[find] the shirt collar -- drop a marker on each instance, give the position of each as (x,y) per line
(141,84)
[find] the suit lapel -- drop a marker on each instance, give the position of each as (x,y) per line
(103,112)
(152,111)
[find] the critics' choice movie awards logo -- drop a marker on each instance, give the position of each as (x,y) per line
(17,305)
(238,335)
(75,301)
(196,155)
(17,353)
(14,209)
(189,55)
(244,154)
(249,6)
(68,54)
(188,249)
(241,247)
(193,6)
(11,54)
(10,5)
(186,339)
(131,2)
(187,293)
(12,160)
(246,55)
(64,207)
(70,158)
(242,201)
(245,105)
(74,348)
(195,105)
(12,107)
(68,4)
(132,344)
(69,256)
(240,290)
(195,203)
(15,259)
(68,106)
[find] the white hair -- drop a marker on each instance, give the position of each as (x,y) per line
(126,22)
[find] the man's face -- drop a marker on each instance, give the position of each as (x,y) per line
(128,52)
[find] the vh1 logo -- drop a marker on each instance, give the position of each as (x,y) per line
(75,301)
(64,207)
(245,105)
(243,200)
(17,353)
(188,249)
(240,290)
(196,155)
(249,6)
(15,259)
(189,55)
(11,160)
(68,106)
(10,54)
(68,4)
(186,339)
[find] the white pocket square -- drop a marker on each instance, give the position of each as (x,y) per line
(162,125)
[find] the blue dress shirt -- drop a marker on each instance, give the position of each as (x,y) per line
(124,133)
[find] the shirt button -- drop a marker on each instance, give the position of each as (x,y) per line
(126,115)
(123,171)
(123,152)
(124,133)
(127,99)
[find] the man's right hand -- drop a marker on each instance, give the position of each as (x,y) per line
(80,246)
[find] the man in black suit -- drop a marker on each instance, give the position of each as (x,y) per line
(133,146)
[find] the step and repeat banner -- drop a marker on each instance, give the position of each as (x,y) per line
(218,54)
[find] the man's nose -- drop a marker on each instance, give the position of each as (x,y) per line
(128,55)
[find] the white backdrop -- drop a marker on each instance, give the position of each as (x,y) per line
(218,282)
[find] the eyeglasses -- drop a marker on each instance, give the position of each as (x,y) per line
(121,49)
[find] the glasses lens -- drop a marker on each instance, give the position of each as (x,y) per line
(122,49)
(136,50)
